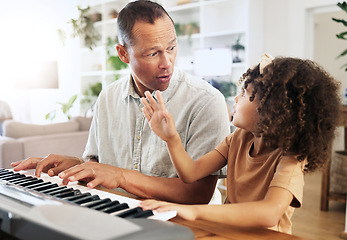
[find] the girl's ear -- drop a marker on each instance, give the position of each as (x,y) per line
(122,53)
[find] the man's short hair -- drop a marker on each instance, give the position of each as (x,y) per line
(141,10)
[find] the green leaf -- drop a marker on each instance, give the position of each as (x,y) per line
(115,63)
(340,21)
(343,6)
(342,35)
(72,100)
(342,54)
(51,115)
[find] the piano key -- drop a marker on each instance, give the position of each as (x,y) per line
(15,181)
(143,214)
(50,190)
(75,197)
(5,171)
(45,187)
(30,182)
(87,199)
(38,185)
(129,212)
(105,205)
(96,203)
(2,175)
(115,208)
(16,176)
(67,193)
(59,191)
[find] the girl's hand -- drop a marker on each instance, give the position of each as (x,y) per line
(160,120)
(187,212)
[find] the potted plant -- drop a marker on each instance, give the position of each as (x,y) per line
(65,108)
(83,26)
(90,95)
(236,48)
(342,35)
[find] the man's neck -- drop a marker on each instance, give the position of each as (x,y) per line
(136,87)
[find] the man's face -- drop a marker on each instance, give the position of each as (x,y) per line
(153,55)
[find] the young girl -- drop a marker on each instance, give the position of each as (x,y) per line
(285,116)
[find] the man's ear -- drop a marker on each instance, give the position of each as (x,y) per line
(122,53)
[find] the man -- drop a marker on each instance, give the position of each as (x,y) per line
(121,149)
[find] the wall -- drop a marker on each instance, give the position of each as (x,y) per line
(285,29)
(29,34)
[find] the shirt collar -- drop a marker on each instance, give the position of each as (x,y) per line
(167,94)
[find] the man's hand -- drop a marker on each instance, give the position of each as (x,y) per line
(52,164)
(95,174)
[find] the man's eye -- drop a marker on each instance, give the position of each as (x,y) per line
(152,54)
(172,48)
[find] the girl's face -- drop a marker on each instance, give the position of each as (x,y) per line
(245,113)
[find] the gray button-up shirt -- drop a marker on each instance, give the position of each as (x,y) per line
(120,134)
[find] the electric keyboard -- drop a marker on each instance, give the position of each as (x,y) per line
(43,208)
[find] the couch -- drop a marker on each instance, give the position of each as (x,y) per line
(22,140)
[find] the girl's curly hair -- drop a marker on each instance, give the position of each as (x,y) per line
(298,106)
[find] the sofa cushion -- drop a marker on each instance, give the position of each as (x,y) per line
(84,122)
(69,144)
(16,129)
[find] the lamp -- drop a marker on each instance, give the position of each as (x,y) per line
(38,75)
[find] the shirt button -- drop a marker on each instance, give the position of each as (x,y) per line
(136,166)
(138,137)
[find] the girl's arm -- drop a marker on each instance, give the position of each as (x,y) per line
(162,124)
(264,213)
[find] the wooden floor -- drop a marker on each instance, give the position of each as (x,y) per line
(311,223)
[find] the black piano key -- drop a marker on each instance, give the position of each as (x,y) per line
(143,214)
(105,205)
(87,199)
(61,190)
(72,192)
(15,176)
(38,185)
(5,175)
(3,170)
(34,181)
(96,203)
(51,190)
(15,181)
(115,208)
(73,198)
(45,187)
(129,212)
(2,175)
